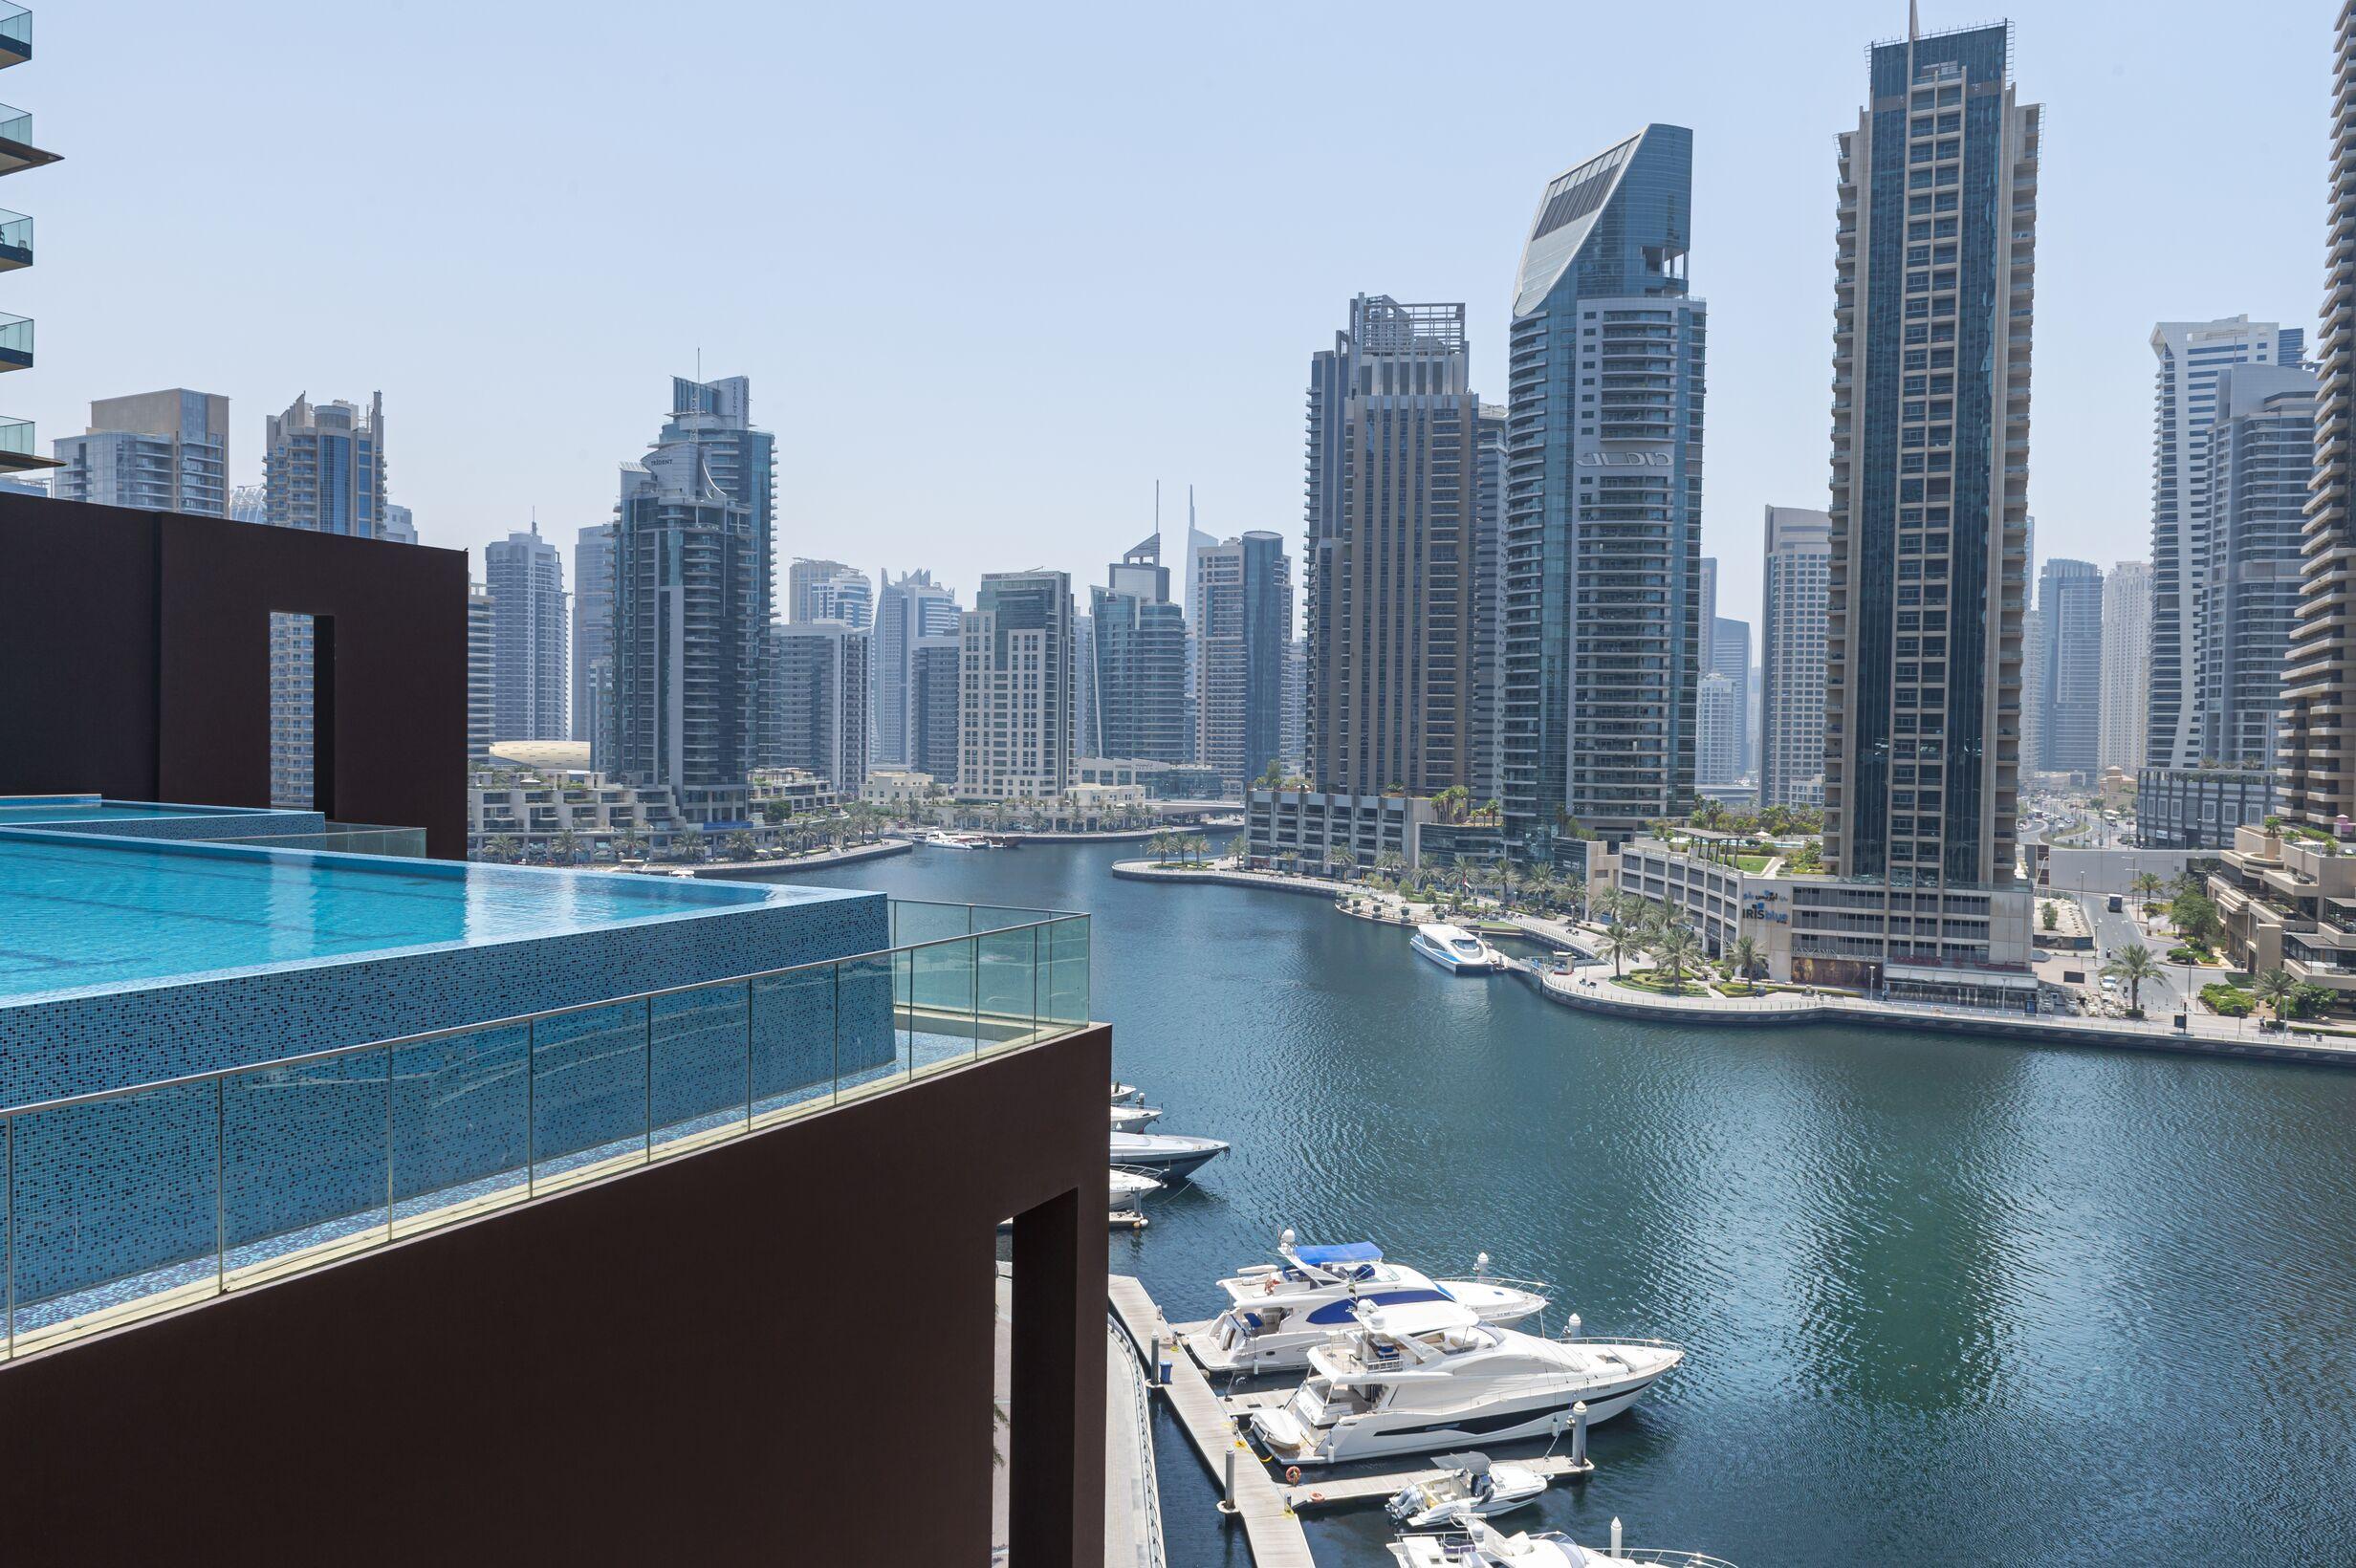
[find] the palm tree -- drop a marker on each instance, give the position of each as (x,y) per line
(1618,942)
(1747,956)
(1390,864)
(741,846)
(629,847)
(2146,886)
(2275,988)
(2135,964)
(501,847)
(1672,949)
(1344,859)
(566,847)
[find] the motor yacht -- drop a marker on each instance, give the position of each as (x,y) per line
(1424,1373)
(1130,1188)
(1467,1487)
(1168,1157)
(1456,949)
(1278,1311)
(1133,1118)
(1480,1546)
(957,840)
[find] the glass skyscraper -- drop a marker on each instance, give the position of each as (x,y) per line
(1603,506)
(1133,670)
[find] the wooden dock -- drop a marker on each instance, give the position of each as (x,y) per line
(1269,1522)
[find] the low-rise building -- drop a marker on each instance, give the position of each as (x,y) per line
(898,789)
(1303,826)
(532,811)
(799,790)
(2288,901)
(2199,808)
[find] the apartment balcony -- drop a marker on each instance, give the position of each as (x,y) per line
(17,148)
(16,241)
(16,35)
(17,453)
(16,344)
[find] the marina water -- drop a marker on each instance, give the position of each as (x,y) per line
(1947,1299)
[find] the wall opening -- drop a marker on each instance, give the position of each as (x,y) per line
(302,653)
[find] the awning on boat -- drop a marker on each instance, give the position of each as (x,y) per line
(1476,1464)
(1344,1251)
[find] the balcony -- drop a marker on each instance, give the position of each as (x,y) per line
(16,241)
(256,1173)
(15,35)
(16,344)
(17,453)
(17,148)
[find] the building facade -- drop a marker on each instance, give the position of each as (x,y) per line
(935,688)
(691,595)
(1935,256)
(2068,689)
(1133,665)
(815,691)
(2191,355)
(1244,604)
(909,608)
(829,591)
(524,575)
(2127,665)
(2261,462)
(158,451)
(1718,747)
(480,710)
(1792,649)
(1015,717)
(1392,555)
(593,638)
(1604,477)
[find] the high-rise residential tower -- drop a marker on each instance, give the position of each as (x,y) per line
(1244,600)
(2191,355)
(1487,657)
(1724,736)
(932,696)
(829,591)
(160,451)
(908,609)
(691,596)
(1604,480)
(1934,261)
(2262,461)
(1133,671)
(1792,633)
(2127,665)
(524,575)
(593,638)
(323,469)
(1014,710)
(478,675)
(815,690)
(1392,553)
(2069,691)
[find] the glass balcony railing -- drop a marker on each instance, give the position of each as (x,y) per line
(15,240)
(15,342)
(133,1201)
(16,124)
(16,33)
(16,437)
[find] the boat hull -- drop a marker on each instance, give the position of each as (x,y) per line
(1450,961)
(1168,1160)
(1287,1349)
(1417,1432)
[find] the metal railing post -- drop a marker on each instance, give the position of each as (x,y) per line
(649,1160)
(220,1186)
(748,1056)
(532,1107)
(388,1144)
(11,1126)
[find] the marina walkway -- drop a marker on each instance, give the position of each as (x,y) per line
(1132,1493)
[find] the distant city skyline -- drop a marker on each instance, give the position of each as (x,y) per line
(1149,203)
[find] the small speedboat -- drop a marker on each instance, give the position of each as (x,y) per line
(1456,949)
(1467,1487)
(1127,1091)
(1478,1546)
(1432,1372)
(1133,1118)
(1130,1188)
(1276,1313)
(1168,1157)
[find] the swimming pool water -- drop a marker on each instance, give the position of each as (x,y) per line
(67,811)
(76,913)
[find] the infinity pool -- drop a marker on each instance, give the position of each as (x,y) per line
(69,810)
(78,914)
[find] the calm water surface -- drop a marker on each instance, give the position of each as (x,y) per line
(1947,1300)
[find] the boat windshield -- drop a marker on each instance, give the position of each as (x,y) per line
(1467,946)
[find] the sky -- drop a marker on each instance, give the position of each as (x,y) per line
(994,270)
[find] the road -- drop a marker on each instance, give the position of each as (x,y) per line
(2112,932)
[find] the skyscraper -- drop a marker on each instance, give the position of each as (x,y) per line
(524,575)
(1727,657)
(2127,665)
(2319,742)
(1936,245)
(1133,670)
(478,675)
(323,469)
(593,638)
(932,696)
(161,451)
(815,685)
(2261,460)
(829,591)
(1792,636)
(692,569)
(908,609)
(1487,657)
(1604,477)
(1391,554)
(1014,710)
(1244,598)
(2191,355)
(399,524)
(2069,693)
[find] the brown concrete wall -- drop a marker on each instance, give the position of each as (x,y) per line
(776,1350)
(135,661)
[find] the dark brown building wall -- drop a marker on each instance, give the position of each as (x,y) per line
(135,661)
(773,1351)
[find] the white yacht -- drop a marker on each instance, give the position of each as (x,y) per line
(1133,1118)
(1278,1313)
(1456,949)
(1416,1376)
(1479,1546)
(1126,1092)
(957,840)
(1168,1157)
(1468,1487)
(1130,1188)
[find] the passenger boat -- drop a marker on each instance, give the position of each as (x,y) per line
(1133,1118)
(1468,1487)
(1416,1376)
(1456,949)
(1168,1157)
(1278,1311)
(957,840)
(1479,1546)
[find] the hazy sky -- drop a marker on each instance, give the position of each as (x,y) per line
(994,269)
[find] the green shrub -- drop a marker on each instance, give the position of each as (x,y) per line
(2230,1001)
